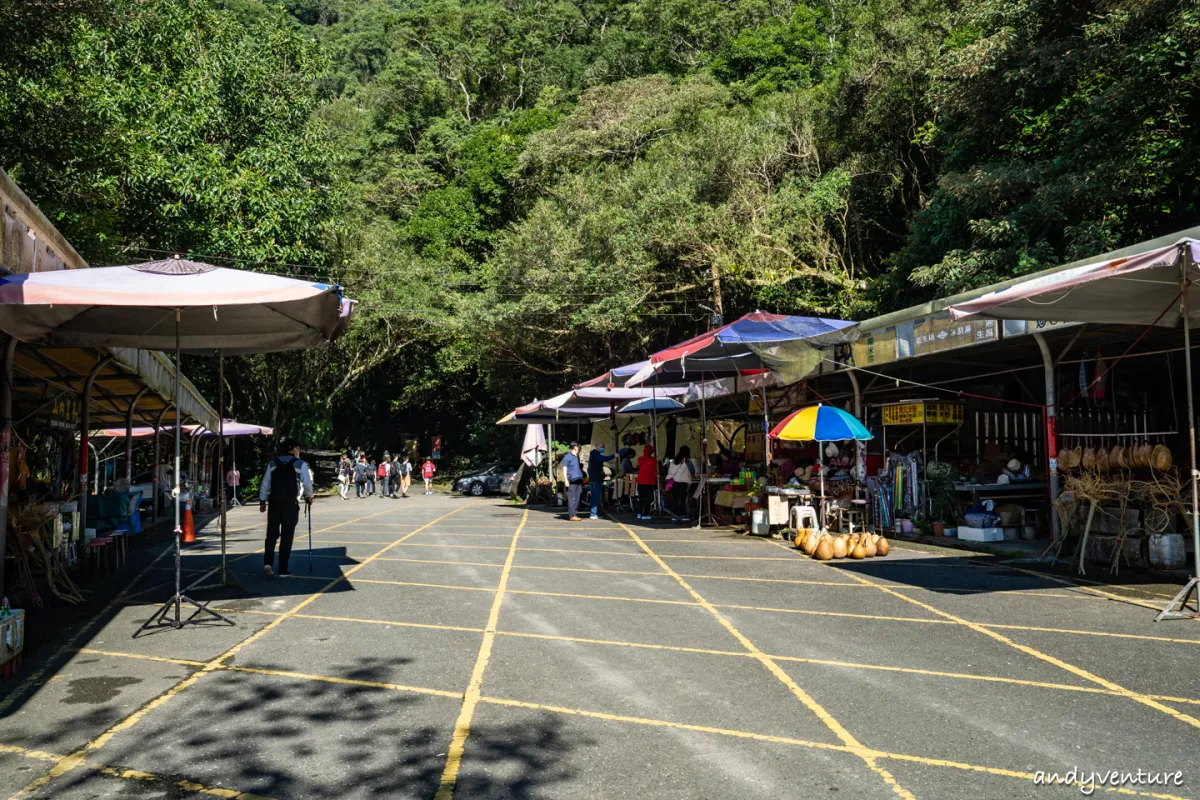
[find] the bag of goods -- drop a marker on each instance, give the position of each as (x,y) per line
(1064,459)
(1117,458)
(1160,458)
(1089,459)
(1102,464)
(1076,457)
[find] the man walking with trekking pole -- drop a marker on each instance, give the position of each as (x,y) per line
(286,477)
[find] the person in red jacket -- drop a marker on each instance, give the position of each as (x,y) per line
(647,481)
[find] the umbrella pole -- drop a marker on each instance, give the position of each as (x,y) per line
(227,578)
(1178,607)
(203,614)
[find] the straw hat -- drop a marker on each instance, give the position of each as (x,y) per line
(1013,465)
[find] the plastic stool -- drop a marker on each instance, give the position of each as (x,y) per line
(801,514)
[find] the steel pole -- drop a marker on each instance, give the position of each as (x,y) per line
(10,351)
(1193,584)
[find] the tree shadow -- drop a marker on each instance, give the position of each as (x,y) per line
(282,737)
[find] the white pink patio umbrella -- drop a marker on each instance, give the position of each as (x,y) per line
(173,304)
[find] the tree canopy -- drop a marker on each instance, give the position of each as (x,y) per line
(522,194)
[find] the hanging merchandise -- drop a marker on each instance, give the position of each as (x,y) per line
(1098,389)
(1083,377)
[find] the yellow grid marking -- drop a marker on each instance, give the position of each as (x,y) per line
(182,661)
(439,561)
(132,774)
(428,585)
(635,645)
(389,622)
(76,759)
(396,687)
(1143,637)
(812,705)
(1097,592)
(462,727)
(1079,672)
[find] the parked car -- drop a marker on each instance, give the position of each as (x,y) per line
(485,479)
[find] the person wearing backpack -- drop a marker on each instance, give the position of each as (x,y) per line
(286,477)
(385,484)
(406,469)
(360,478)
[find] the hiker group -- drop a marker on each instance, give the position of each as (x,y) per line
(390,477)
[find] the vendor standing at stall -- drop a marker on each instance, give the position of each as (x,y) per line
(574,472)
(679,480)
(596,461)
(647,482)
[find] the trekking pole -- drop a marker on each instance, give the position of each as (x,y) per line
(308,514)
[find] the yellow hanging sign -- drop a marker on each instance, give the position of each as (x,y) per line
(923,413)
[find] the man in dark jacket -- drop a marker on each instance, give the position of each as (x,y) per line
(286,477)
(596,477)
(574,472)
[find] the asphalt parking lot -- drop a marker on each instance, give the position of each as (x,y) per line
(447,646)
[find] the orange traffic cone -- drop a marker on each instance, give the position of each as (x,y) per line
(188,526)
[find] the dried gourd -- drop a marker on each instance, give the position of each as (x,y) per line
(1089,459)
(869,548)
(882,547)
(1102,464)
(1064,459)
(839,548)
(858,552)
(1076,457)
(1160,459)
(825,550)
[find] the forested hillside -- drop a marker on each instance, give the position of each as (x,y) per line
(523,192)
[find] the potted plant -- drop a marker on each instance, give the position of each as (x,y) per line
(943,501)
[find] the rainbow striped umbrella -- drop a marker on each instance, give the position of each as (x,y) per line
(820,424)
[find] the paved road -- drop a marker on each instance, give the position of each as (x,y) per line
(450,647)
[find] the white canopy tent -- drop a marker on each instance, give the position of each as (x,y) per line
(1157,286)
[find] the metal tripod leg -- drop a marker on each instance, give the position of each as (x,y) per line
(1178,608)
(160,618)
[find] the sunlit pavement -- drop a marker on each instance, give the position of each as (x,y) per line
(446,647)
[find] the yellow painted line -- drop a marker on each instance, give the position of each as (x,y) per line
(1090,633)
(606,597)
(661,723)
(397,687)
(133,774)
(805,699)
(38,755)
(327,618)
(182,661)
(588,552)
(76,759)
(1079,672)
(835,614)
(771,580)
(462,726)
(428,585)
(584,569)
(437,561)
(458,546)
(35,677)
(1091,590)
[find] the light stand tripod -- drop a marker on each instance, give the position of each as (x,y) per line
(160,619)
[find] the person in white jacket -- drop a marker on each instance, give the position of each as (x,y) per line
(680,473)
